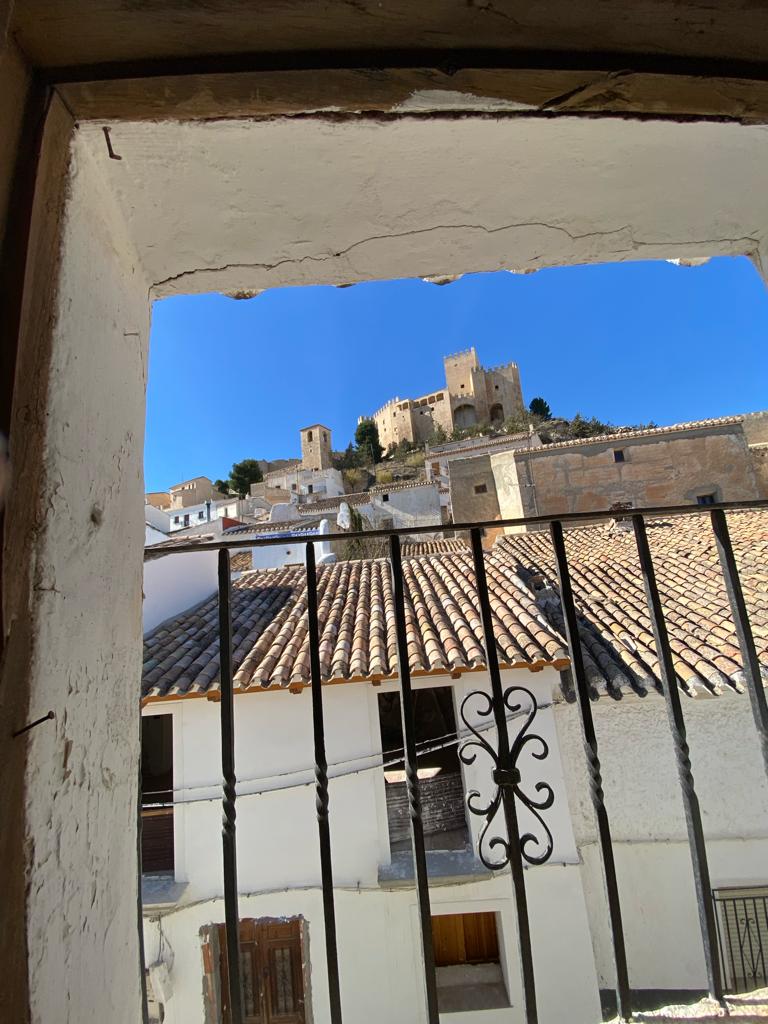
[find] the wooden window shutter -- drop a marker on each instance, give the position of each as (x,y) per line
(465,939)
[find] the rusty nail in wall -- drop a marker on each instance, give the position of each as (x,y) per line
(31,725)
(112,154)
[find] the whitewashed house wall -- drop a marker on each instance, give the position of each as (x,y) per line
(278,859)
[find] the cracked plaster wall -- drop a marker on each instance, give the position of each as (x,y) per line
(245,205)
(81,772)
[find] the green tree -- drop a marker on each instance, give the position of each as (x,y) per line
(222,486)
(539,407)
(242,475)
(439,435)
(367,440)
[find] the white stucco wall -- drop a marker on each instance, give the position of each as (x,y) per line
(82,769)
(158,519)
(380,954)
(176,582)
(397,202)
(278,861)
(412,506)
(642,796)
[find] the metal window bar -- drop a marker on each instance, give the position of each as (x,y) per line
(743,629)
(742,926)
(506,775)
(412,782)
(677,728)
(234,993)
(589,739)
(322,802)
(698,853)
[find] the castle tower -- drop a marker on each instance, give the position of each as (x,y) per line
(316,447)
(458,372)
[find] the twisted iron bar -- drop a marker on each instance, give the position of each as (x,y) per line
(508,778)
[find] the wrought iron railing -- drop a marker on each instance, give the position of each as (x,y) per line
(513,849)
(742,924)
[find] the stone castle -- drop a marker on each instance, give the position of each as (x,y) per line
(471,395)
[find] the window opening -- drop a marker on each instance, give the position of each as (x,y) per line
(439,768)
(706,499)
(309,435)
(157,853)
(467,961)
(618,455)
(481,488)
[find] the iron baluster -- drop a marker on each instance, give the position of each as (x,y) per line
(682,755)
(321,776)
(507,778)
(228,837)
(412,783)
(589,739)
(743,629)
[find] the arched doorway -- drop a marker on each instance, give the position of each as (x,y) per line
(464,416)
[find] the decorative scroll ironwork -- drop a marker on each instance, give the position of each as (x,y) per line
(535,849)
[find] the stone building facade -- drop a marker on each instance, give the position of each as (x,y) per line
(316,447)
(687,463)
(472,394)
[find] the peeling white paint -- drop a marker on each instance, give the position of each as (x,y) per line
(82,770)
(239,206)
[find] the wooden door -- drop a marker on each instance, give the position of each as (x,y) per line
(271,972)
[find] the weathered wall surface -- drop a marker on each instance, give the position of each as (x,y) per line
(387,214)
(642,796)
(514,486)
(379,947)
(661,470)
(465,477)
(756,427)
(81,771)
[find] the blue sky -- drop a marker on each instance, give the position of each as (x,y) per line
(626,342)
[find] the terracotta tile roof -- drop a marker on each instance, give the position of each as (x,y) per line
(479,445)
(413,548)
(289,526)
(628,435)
(241,561)
(356,610)
(614,623)
(445,636)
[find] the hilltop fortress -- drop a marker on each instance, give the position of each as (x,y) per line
(471,395)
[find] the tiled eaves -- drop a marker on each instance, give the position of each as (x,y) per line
(616,633)
(629,435)
(357,629)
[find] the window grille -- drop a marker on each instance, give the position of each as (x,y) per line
(742,924)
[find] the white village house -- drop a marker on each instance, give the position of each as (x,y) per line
(473,910)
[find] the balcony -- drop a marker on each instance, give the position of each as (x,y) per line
(685,642)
